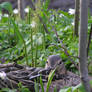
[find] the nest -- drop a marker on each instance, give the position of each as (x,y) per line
(15,74)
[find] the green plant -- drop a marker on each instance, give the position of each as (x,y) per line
(7,6)
(27,42)
(51,75)
(22,88)
(42,85)
(7,90)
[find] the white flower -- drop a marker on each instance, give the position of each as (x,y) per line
(55,22)
(61,15)
(52,18)
(39,41)
(20,25)
(0,16)
(6,15)
(15,11)
(71,11)
(33,24)
(2,75)
(72,23)
(34,37)
(26,10)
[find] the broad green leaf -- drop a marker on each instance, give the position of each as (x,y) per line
(7,6)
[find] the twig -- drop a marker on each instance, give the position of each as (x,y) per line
(61,49)
(89,40)
(65,50)
(44,25)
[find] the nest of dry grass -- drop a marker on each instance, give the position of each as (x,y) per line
(15,74)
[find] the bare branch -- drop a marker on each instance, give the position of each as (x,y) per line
(65,50)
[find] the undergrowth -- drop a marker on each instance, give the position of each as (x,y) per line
(32,40)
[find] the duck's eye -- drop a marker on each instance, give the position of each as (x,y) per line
(59,63)
(46,61)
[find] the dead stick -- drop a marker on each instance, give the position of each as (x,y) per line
(6,65)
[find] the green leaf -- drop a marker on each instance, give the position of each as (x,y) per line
(55,89)
(8,90)
(45,6)
(79,88)
(18,34)
(42,85)
(7,6)
(89,20)
(36,87)
(25,90)
(66,90)
(50,77)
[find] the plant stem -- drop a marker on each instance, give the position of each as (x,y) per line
(32,46)
(25,52)
(36,52)
(43,32)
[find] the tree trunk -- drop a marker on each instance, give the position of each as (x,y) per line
(21,6)
(83,44)
(76,21)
